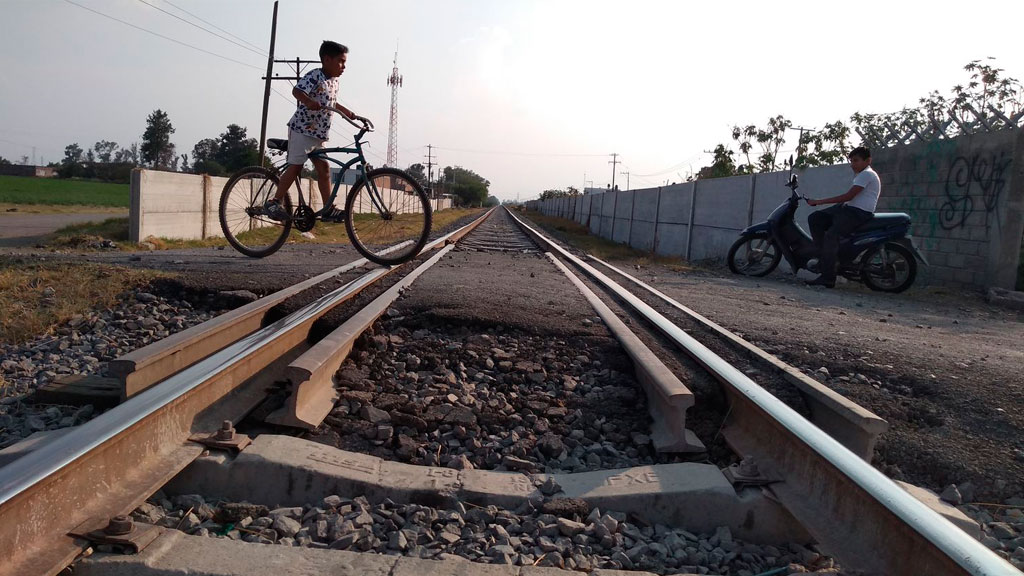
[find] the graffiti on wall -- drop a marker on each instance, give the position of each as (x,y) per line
(983,172)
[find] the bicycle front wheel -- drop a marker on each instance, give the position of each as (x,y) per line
(247,228)
(388,216)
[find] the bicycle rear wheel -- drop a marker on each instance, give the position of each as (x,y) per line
(242,220)
(388,216)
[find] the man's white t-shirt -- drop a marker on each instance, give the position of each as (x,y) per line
(868,197)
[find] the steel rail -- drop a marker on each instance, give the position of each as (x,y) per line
(87,467)
(826,479)
(102,467)
(852,425)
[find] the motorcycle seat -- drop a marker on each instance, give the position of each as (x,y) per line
(883,220)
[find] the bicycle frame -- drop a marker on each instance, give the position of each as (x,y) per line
(357,150)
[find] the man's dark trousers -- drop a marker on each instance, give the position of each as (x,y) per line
(828,226)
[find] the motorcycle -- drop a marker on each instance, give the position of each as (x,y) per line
(880,253)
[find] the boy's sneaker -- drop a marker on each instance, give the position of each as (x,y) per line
(273,210)
(332,214)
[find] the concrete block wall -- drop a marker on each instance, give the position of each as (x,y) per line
(965,197)
(185,206)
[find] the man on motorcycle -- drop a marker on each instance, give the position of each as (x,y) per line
(851,210)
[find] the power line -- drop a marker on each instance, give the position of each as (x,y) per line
(201,28)
(507,153)
(673,168)
(161,35)
(214,25)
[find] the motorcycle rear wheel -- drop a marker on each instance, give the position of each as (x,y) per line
(755,255)
(890,267)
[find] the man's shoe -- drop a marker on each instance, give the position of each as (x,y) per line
(822,281)
(273,210)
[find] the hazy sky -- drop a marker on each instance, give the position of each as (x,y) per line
(529,94)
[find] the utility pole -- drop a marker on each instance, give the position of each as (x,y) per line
(394,81)
(800,139)
(430,166)
(298,66)
(626,172)
(266,88)
(614,161)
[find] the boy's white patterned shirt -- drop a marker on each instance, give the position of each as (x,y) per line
(315,123)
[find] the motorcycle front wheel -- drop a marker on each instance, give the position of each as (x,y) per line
(890,267)
(754,255)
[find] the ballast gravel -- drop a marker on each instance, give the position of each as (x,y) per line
(490,398)
(566,534)
(84,345)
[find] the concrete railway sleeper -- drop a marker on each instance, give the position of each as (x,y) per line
(868,521)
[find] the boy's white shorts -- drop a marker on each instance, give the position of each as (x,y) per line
(300,145)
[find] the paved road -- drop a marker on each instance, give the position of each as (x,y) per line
(26,229)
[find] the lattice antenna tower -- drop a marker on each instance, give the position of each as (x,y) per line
(395,80)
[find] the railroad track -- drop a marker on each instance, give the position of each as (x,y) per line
(173,435)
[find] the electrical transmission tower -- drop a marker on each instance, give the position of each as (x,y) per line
(394,81)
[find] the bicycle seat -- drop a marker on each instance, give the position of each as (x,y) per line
(884,220)
(278,144)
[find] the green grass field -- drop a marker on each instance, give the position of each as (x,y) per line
(53,191)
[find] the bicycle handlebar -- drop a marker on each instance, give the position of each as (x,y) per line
(365,125)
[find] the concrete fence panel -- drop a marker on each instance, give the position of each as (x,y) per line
(584,218)
(721,209)
(596,205)
(673,224)
(623,218)
(645,217)
(608,203)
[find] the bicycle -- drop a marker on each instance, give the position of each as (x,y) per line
(387,214)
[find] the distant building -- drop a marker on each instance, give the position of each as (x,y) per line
(28,171)
(351,175)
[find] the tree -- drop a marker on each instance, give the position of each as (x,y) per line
(235,151)
(770,139)
(989,101)
(105,150)
(4,161)
(204,157)
(157,149)
(128,155)
(492,201)
(557,193)
(723,164)
(468,186)
(825,147)
(24,161)
(417,171)
(72,154)
(744,137)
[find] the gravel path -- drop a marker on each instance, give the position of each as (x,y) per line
(17,229)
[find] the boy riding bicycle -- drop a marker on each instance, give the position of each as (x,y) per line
(309,128)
